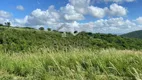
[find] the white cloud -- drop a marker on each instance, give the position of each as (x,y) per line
(70,14)
(77,10)
(80,5)
(39,17)
(51,16)
(96,12)
(116,10)
(2,20)
(112,25)
(20,7)
(70,27)
(113,10)
(139,20)
(84,7)
(4,14)
(20,22)
(73,11)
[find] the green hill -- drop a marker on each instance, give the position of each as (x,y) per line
(21,39)
(135,34)
(30,54)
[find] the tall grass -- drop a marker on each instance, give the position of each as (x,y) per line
(77,64)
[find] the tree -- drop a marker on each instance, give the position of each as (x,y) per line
(1,24)
(49,29)
(55,31)
(75,32)
(28,28)
(41,28)
(8,24)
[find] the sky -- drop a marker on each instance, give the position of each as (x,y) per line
(97,16)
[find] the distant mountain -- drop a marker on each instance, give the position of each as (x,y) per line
(135,34)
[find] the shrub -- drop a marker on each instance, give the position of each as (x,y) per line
(1,24)
(41,28)
(49,29)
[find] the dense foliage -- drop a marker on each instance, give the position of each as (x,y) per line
(19,39)
(135,34)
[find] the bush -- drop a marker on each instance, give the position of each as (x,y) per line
(1,24)
(28,28)
(41,28)
(49,29)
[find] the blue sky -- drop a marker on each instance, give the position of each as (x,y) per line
(104,16)
(29,6)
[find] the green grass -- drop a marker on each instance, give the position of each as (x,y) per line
(77,64)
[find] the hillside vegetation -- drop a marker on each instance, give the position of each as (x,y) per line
(30,54)
(135,34)
(20,39)
(77,64)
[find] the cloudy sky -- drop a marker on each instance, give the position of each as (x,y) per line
(103,16)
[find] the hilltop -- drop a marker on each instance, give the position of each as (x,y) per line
(134,34)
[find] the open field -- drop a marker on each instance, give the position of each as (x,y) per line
(71,40)
(77,64)
(29,54)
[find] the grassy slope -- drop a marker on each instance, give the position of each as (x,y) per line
(77,64)
(40,55)
(29,39)
(135,34)
(24,39)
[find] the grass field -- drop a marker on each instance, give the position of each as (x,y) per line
(29,54)
(77,64)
